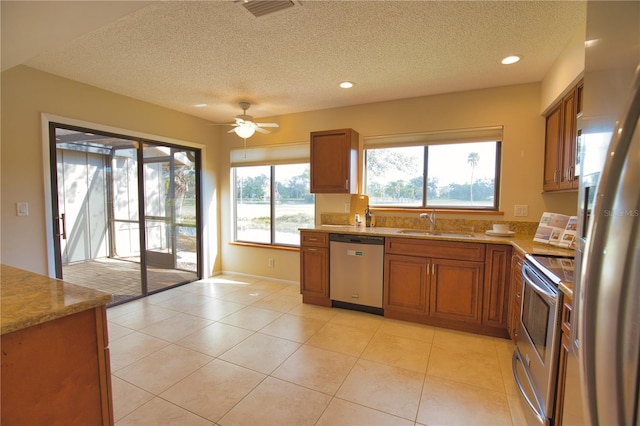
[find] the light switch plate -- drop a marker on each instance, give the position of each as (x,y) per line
(22,209)
(521,210)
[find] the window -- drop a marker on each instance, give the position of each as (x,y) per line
(449,170)
(272,202)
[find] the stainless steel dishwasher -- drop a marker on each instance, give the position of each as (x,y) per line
(356,272)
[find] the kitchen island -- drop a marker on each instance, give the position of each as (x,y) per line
(55,358)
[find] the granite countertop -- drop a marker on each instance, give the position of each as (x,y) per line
(523,243)
(28,299)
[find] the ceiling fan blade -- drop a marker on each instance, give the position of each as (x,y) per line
(221,124)
(258,129)
(267,125)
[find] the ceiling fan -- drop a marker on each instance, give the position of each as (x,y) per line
(245,127)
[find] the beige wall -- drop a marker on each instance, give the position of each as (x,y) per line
(26,93)
(517,108)
(565,72)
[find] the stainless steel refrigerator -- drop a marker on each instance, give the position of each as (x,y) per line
(603,366)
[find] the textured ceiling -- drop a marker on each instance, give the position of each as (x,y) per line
(180,53)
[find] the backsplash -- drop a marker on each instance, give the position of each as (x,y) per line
(443,224)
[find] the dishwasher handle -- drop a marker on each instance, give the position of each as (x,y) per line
(356,239)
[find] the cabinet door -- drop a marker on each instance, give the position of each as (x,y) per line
(515,296)
(562,379)
(552,148)
(496,284)
(456,287)
(405,284)
(53,373)
(313,271)
(569,106)
(334,161)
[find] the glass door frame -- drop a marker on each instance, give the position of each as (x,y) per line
(57,226)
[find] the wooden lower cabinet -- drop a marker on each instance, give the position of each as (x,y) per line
(496,286)
(58,372)
(406,285)
(565,344)
(314,268)
(456,288)
(447,284)
(515,296)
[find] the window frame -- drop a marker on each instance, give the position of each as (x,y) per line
(270,156)
(438,138)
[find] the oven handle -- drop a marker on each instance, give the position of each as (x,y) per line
(550,295)
(514,362)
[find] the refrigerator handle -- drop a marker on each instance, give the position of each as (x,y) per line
(607,271)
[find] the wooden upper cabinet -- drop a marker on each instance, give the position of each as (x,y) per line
(334,161)
(552,152)
(560,172)
(569,148)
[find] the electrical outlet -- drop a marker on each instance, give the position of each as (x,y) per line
(521,210)
(347,207)
(271,262)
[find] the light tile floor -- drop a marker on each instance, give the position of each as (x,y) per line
(232,350)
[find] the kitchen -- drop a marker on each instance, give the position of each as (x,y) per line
(508,105)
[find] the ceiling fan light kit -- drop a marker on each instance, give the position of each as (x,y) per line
(245,127)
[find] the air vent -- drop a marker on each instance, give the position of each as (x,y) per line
(260,8)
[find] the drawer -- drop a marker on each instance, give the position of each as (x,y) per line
(437,249)
(316,239)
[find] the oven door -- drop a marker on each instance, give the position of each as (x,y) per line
(539,339)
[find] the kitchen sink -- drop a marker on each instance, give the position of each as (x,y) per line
(434,233)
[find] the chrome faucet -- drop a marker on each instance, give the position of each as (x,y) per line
(432,219)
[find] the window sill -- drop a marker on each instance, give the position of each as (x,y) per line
(264,246)
(375,209)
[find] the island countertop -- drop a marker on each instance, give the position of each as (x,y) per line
(29,299)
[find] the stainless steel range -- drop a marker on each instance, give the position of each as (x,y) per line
(535,360)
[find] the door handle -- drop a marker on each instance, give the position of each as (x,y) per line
(63,220)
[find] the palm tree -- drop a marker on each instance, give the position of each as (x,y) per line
(473,158)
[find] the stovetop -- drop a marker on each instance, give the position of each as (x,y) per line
(557,269)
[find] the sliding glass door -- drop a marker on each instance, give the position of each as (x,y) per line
(107,188)
(170,217)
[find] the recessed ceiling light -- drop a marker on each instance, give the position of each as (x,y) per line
(347,84)
(200,105)
(511,60)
